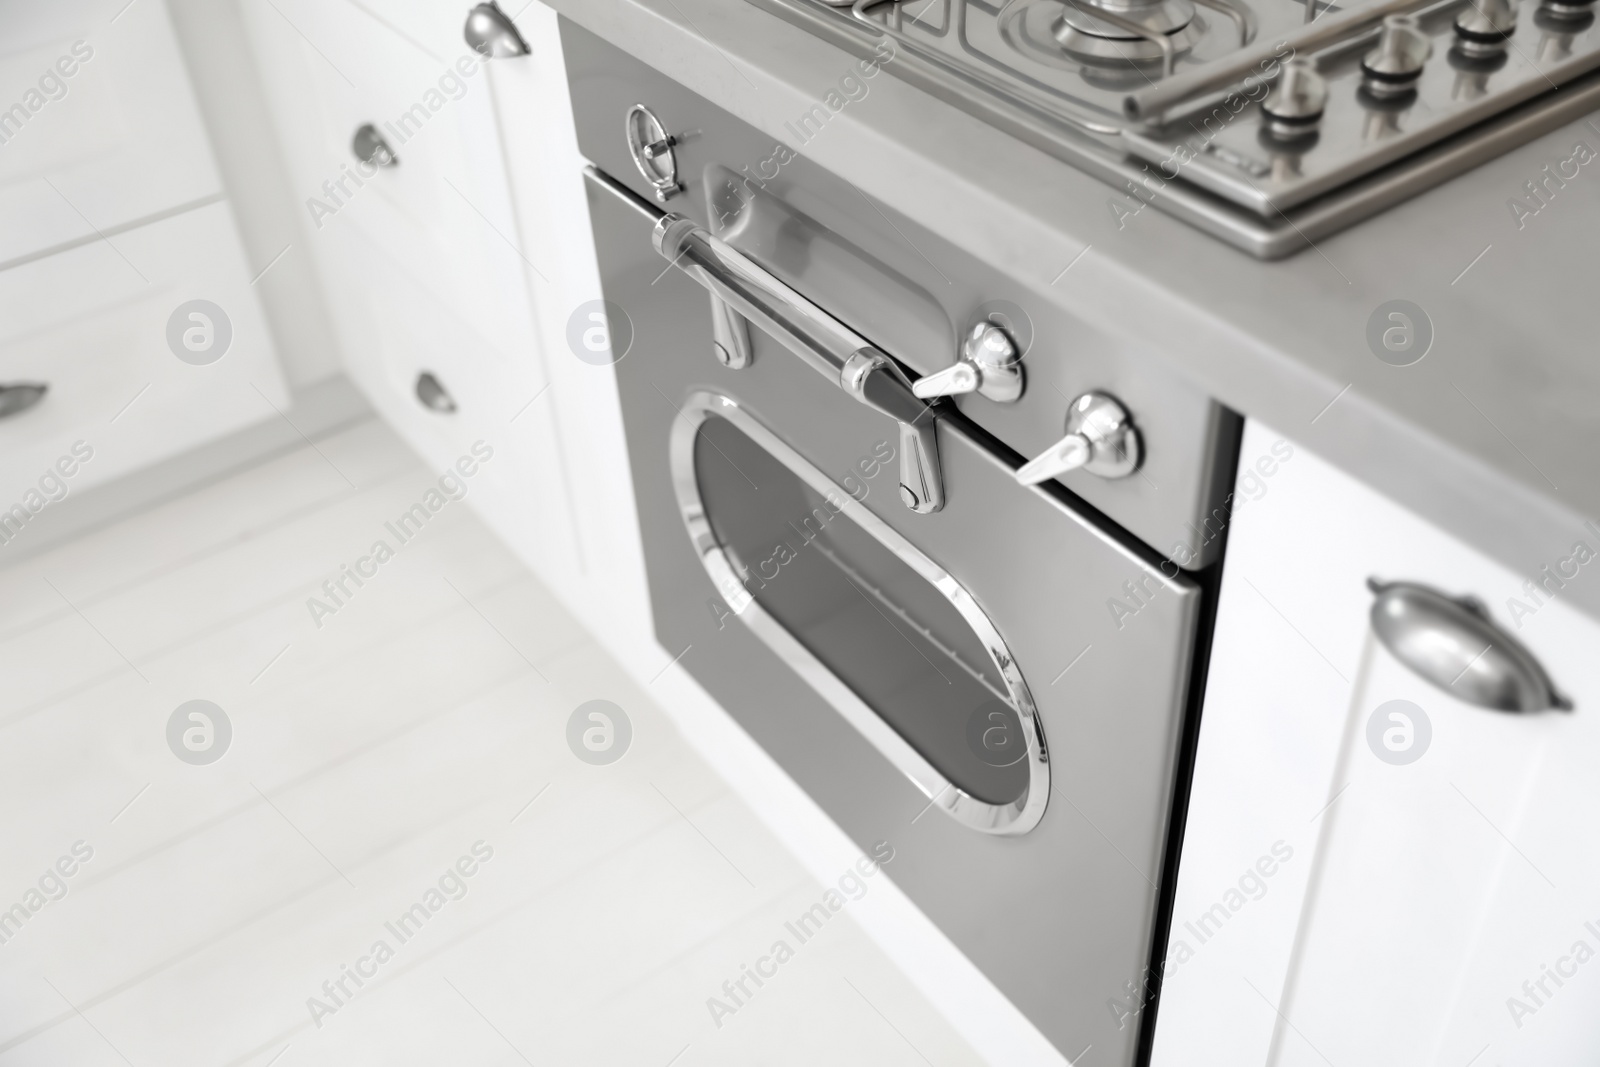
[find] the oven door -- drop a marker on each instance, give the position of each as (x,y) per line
(972,670)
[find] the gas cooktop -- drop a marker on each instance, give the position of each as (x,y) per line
(1268,123)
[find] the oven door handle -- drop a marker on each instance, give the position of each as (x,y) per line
(830,347)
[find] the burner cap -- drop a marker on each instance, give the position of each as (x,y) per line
(1082,31)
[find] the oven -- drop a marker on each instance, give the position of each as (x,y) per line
(899,519)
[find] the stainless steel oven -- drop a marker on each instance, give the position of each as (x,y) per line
(981,660)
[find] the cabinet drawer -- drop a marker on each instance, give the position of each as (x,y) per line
(442,214)
(93,323)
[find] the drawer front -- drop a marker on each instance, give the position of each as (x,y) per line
(442,214)
(100,325)
(395,331)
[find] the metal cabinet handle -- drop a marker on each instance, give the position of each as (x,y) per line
(830,347)
(1452,642)
(369,146)
(433,395)
(491,34)
(17,397)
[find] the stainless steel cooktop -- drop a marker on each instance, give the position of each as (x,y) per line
(1266,122)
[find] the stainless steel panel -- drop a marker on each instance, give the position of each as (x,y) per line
(912,294)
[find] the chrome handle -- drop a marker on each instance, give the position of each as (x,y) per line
(730,336)
(492,34)
(1100,438)
(989,366)
(1453,643)
(830,347)
(17,397)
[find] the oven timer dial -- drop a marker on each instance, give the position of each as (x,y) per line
(651,147)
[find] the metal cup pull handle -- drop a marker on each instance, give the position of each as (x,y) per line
(433,395)
(1454,644)
(17,397)
(492,34)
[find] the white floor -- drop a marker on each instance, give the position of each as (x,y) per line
(426,716)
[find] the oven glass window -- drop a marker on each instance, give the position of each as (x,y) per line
(878,625)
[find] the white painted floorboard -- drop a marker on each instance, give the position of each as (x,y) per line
(425,718)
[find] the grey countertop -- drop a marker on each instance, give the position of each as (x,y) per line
(1492,436)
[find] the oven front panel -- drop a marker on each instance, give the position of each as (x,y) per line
(1060,916)
(915,294)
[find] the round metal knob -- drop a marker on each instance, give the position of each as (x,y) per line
(1100,438)
(1295,105)
(491,33)
(1564,16)
(1393,67)
(989,365)
(1484,25)
(651,147)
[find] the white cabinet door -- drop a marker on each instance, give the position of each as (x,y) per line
(443,214)
(99,129)
(1421,912)
(1440,886)
(426,264)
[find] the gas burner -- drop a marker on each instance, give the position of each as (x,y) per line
(1066,34)
(1129,30)
(1392,96)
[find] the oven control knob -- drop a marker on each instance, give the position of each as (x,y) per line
(989,366)
(1100,438)
(1393,67)
(651,147)
(1483,27)
(1295,105)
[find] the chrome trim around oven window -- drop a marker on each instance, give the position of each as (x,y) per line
(1016,817)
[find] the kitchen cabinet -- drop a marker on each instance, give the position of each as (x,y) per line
(1364,881)
(603,581)
(430,265)
(443,212)
(125,288)
(98,323)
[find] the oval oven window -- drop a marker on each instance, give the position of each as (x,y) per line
(878,628)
